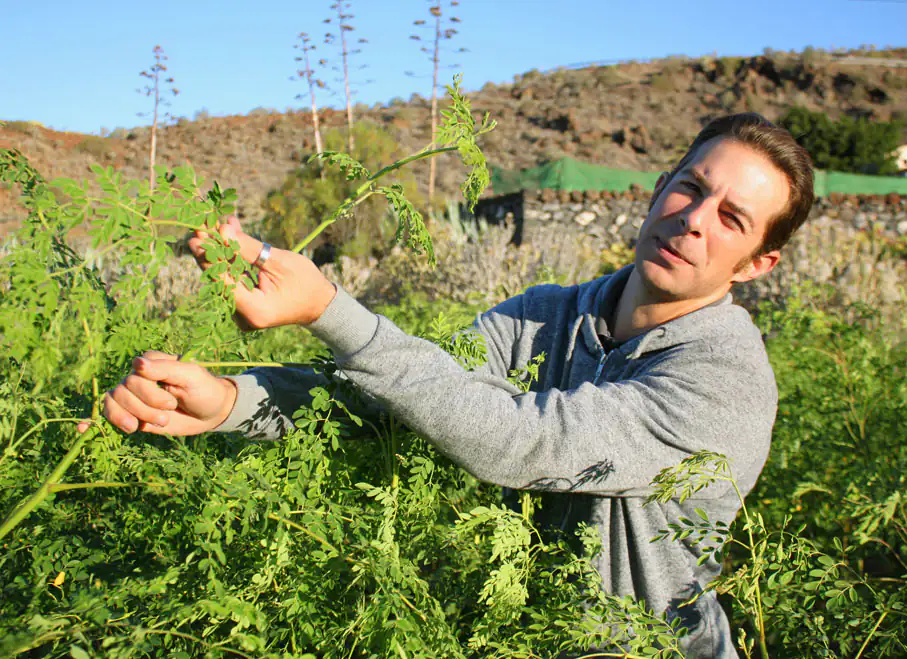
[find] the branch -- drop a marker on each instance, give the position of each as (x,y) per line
(363,192)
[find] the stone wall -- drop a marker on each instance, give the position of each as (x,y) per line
(855,244)
(618,216)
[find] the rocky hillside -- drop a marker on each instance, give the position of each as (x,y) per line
(632,115)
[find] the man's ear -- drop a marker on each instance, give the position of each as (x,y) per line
(758,266)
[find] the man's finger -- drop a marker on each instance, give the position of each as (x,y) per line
(149,392)
(167,371)
(131,404)
(249,247)
(118,416)
(157,354)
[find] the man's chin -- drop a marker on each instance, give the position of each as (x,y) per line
(662,282)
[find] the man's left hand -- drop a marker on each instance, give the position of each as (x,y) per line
(291,289)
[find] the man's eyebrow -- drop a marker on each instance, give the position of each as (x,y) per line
(704,182)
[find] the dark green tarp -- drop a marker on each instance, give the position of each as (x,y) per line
(570,174)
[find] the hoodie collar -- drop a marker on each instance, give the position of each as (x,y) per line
(601,299)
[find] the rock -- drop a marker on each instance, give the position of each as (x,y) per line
(549,196)
(628,233)
(902,228)
(584,218)
(640,141)
(576,196)
(620,220)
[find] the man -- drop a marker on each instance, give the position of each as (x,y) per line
(643,368)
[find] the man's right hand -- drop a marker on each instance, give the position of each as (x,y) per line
(163,395)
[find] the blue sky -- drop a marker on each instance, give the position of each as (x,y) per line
(74,65)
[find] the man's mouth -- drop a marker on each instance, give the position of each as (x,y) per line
(669,252)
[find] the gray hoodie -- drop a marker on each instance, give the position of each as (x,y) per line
(591,434)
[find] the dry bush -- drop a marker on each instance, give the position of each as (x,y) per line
(97,147)
(487,268)
(30,128)
(853,269)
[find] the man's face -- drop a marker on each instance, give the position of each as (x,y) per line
(707,222)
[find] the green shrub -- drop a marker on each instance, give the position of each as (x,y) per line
(847,145)
(30,128)
(663,82)
(97,147)
(312,191)
(728,67)
(836,478)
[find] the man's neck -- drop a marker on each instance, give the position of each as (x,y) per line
(638,310)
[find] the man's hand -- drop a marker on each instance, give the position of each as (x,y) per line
(165,396)
(291,289)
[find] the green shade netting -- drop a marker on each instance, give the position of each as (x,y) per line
(570,174)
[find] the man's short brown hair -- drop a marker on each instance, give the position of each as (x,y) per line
(779,146)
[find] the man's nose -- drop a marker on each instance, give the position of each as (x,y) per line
(696,217)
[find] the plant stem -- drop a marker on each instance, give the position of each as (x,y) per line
(63,487)
(314,536)
(363,192)
(622,655)
(241,364)
(760,619)
(27,506)
(871,634)
(43,422)
(188,637)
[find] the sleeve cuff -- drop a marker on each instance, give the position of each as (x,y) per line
(345,326)
(252,394)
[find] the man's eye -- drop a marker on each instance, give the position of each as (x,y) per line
(734,221)
(690,186)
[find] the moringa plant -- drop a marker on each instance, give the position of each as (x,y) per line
(51,283)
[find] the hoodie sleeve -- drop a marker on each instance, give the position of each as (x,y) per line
(267,397)
(609,438)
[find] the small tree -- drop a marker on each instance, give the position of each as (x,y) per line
(306,73)
(847,145)
(343,26)
(312,191)
(431,46)
(158,88)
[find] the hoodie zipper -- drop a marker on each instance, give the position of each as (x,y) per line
(600,367)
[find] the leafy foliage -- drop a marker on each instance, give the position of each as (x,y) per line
(353,537)
(847,145)
(312,192)
(459,128)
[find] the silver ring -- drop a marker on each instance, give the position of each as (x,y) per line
(263,255)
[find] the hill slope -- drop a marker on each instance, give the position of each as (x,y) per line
(632,115)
